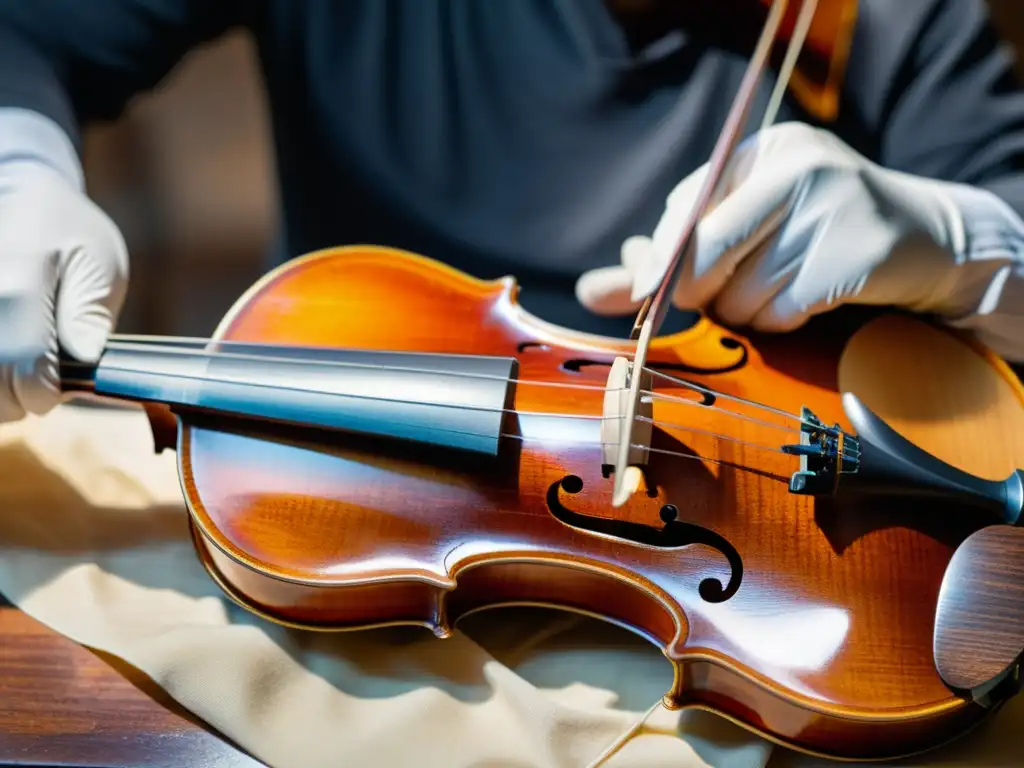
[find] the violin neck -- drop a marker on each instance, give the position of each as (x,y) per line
(458,402)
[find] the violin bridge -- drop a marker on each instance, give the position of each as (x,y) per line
(613,418)
(626,426)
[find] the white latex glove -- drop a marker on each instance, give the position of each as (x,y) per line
(63,264)
(804,224)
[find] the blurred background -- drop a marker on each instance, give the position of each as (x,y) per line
(187,174)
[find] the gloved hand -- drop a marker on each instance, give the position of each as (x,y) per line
(63,264)
(803,224)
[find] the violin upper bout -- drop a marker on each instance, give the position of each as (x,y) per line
(370,297)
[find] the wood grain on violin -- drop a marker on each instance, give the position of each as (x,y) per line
(980,616)
(64,705)
(808,620)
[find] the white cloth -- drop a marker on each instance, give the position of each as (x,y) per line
(63,264)
(802,224)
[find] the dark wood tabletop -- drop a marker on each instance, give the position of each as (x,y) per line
(63,705)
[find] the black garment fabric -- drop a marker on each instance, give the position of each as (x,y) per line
(522,137)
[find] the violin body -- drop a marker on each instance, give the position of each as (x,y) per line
(807,622)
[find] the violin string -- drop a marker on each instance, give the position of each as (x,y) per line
(649,394)
(174,342)
(459,374)
(707,433)
(306,390)
(733,398)
(547,440)
(201,354)
(652,449)
(484,409)
(638,446)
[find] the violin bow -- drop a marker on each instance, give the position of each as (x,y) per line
(649,319)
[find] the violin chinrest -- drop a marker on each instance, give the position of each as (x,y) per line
(979,621)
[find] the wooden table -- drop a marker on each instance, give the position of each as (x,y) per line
(63,705)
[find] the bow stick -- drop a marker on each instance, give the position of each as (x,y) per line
(628,436)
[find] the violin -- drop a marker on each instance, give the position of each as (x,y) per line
(373,438)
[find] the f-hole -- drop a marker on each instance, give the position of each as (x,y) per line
(673,534)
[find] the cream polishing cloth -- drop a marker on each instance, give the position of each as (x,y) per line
(94,544)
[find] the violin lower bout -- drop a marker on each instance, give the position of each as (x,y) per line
(699,680)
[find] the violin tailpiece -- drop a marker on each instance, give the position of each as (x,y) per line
(876,460)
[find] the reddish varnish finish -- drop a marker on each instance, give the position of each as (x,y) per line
(826,645)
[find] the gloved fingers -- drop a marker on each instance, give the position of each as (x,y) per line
(36,383)
(635,250)
(834,250)
(616,290)
(63,278)
(29,378)
(79,309)
(743,219)
(787,311)
(89,298)
(808,290)
(27,282)
(765,269)
(751,287)
(606,290)
(719,249)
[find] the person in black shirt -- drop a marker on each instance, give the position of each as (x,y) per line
(549,139)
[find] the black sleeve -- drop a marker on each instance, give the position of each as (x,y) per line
(935,89)
(77,61)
